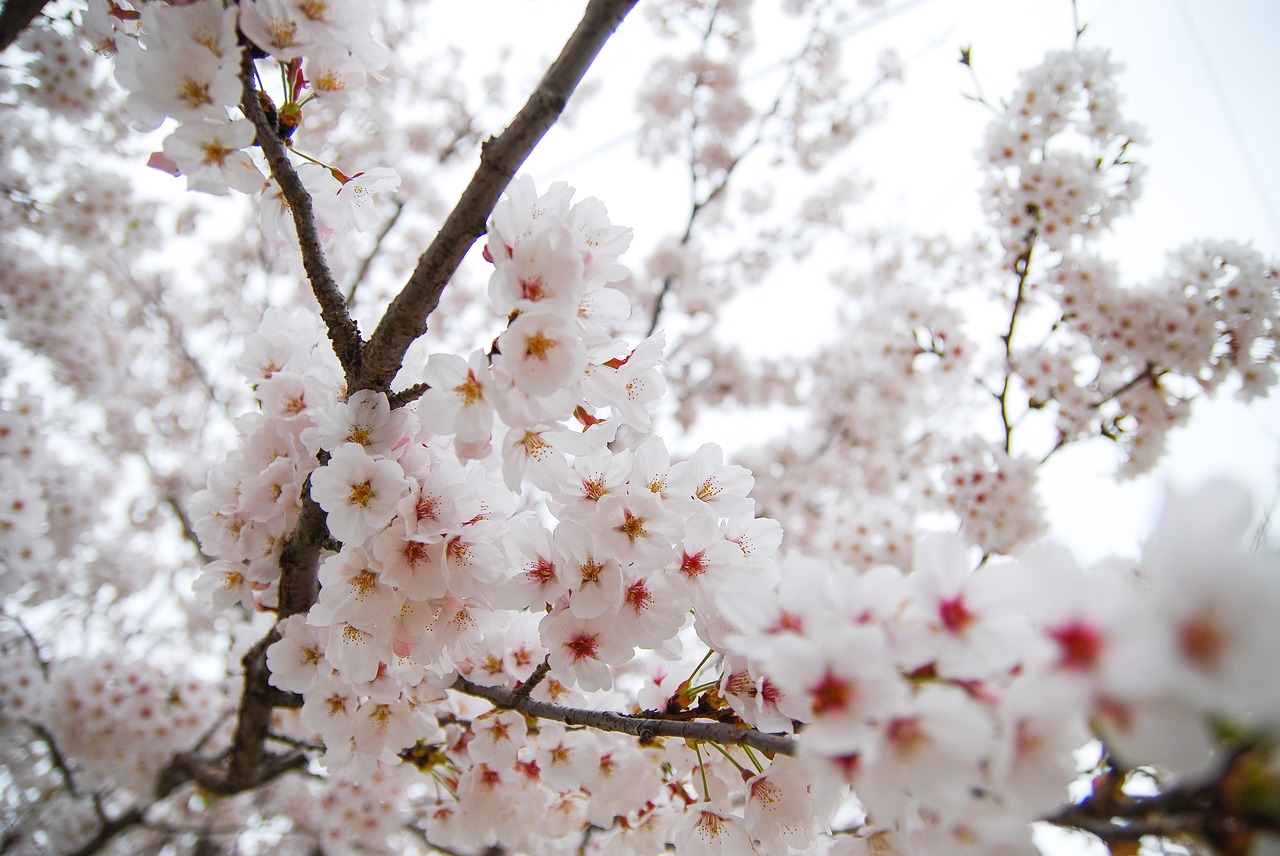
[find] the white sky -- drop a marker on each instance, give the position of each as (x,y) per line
(1199,76)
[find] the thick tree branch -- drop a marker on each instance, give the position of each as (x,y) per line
(16,16)
(343,332)
(642,727)
(248,763)
(1215,812)
(300,557)
(500,157)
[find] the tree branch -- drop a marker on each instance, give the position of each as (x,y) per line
(407,395)
(406,318)
(31,640)
(523,691)
(300,557)
(249,764)
(16,16)
(343,332)
(1211,811)
(55,756)
(188,530)
(1021,267)
(642,727)
(109,830)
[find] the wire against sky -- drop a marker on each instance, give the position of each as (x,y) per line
(772,67)
(1233,126)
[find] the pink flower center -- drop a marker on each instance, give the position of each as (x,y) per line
(591,571)
(1202,641)
(831,694)
(537,345)
(955,615)
(427,508)
(695,565)
(531,289)
(638,597)
(542,571)
(1080,644)
(786,622)
(469,390)
(583,646)
(906,736)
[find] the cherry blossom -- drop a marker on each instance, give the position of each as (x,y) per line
(209,154)
(359,492)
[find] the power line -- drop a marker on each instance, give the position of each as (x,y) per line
(1251,166)
(851,30)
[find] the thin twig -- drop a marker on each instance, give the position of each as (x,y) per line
(110,829)
(188,530)
(1022,267)
(367,261)
(539,673)
(295,742)
(1148,373)
(56,757)
(407,395)
(343,332)
(31,640)
(152,301)
(1075,22)
(762,124)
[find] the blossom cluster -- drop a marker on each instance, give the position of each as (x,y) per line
(183,62)
(433,551)
(121,720)
(1119,361)
(41,496)
(506,522)
(1053,151)
(952,700)
(1145,352)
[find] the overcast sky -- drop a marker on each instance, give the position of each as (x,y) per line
(1200,76)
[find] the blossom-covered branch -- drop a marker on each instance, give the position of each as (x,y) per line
(343,332)
(645,728)
(500,157)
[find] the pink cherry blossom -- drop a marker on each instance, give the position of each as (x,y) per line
(583,649)
(359,492)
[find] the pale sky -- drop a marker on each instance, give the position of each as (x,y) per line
(1200,76)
